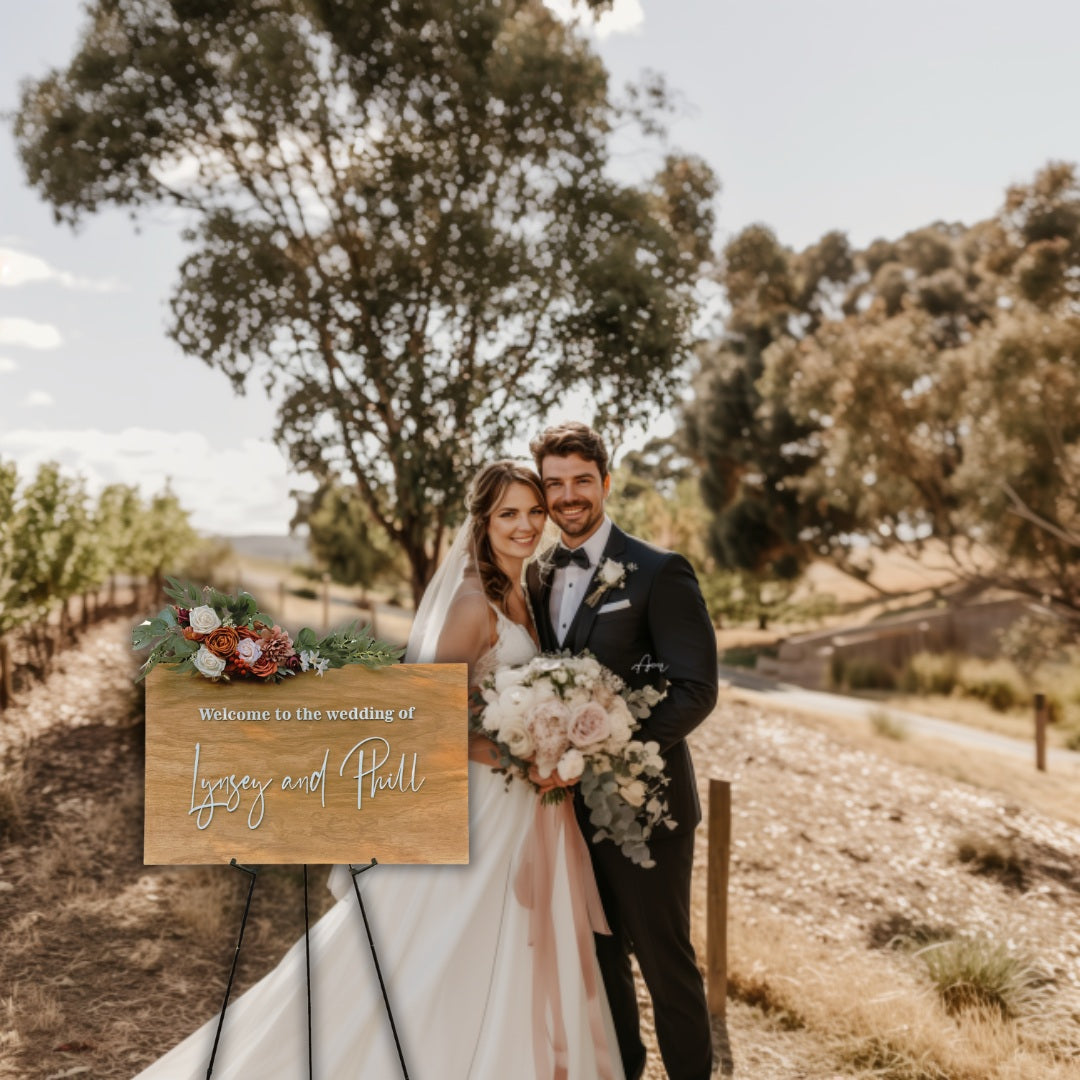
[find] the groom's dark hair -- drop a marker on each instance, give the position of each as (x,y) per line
(573,437)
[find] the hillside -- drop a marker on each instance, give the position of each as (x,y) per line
(840,855)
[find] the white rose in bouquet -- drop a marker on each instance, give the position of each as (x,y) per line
(620,721)
(516,736)
(203,619)
(571,765)
(591,668)
(634,792)
(509,676)
(494,717)
(518,699)
(576,697)
(207,663)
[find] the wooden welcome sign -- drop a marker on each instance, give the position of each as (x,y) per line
(356,764)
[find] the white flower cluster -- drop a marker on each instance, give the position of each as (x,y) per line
(572,716)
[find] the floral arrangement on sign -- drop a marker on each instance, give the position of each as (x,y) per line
(222,636)
(572,716)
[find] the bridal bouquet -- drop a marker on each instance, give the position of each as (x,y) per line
(571,716)
(224,637)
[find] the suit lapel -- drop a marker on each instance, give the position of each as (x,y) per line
(580,629)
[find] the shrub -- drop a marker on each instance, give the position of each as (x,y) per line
(978,973)
(885,724)
(996,682)
(930,673)
(869,674)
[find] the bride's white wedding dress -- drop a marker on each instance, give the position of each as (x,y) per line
(453,946)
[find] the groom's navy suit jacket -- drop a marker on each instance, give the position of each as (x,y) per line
(652,629)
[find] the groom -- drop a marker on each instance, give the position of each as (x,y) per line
(649,625)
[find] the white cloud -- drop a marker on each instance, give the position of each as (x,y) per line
(38,399)
(624,17)
(29,334)
(239,488)
(18,268)
(7,364)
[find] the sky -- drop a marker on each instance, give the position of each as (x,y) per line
(857,115)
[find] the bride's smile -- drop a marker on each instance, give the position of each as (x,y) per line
(515,526)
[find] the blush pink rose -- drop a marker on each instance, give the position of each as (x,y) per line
(589,724)
(547,723)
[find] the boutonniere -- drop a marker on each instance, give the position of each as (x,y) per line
(611,575)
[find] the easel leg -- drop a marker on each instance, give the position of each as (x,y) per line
(355,870)
(236,956)
(307,962)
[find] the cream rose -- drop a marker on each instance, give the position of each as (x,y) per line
(203,619)
(516,736)
(507,677)
(209,664)
(588,725)
(634,792)
(571,765)
(518,699)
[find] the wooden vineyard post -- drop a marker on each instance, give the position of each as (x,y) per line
(6,693)
(1040,732)
(719,841)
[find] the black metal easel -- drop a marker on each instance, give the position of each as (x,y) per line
(354,871)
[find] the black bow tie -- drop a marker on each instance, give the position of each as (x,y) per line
(564,556)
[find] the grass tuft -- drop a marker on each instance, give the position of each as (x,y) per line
(887,726)
(995,856)
(984,975)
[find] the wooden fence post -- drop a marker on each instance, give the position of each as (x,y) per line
(326,601)
(1040,732)
(281,603)
(716,906)
(7,694)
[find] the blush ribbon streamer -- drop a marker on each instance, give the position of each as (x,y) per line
(533,887)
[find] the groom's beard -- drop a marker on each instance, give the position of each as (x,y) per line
(583,525)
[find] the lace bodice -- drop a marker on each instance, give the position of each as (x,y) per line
(513,645)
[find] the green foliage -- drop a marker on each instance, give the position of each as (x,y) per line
(866,673)
(997,682)
(923,387)
(930,673)
(344,539)
(403,224)
(979,973)
(56,542)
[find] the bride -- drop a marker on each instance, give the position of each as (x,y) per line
(483,985)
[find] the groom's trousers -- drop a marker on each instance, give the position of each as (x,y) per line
(648,911)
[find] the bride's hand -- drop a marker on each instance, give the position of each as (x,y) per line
(483,750)
(552,782)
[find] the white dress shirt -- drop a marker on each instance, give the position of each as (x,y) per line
(570,582)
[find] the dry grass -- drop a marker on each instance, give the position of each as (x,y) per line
(884,1019)
(1053,793)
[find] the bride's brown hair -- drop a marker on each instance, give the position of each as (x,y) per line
(487,488)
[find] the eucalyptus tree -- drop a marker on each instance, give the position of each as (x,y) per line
(402,219)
